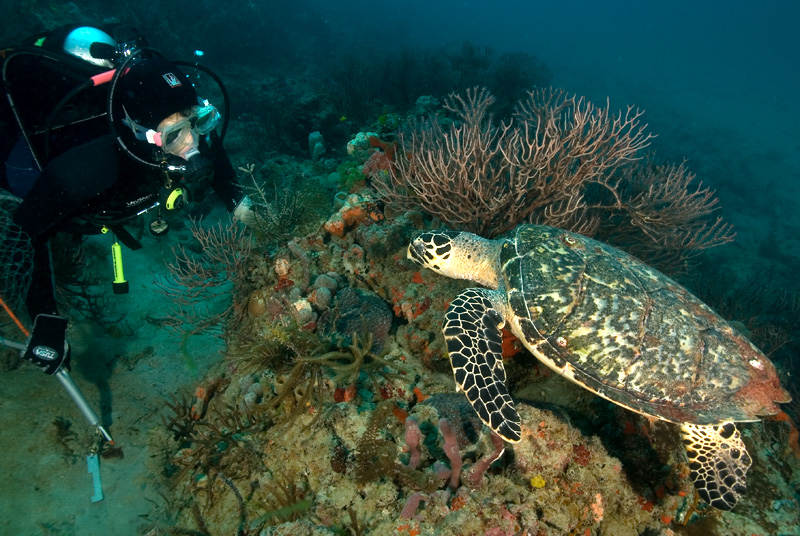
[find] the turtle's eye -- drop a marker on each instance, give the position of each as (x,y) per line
(430,249)
(419,251)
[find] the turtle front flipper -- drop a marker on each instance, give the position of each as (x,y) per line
(474,341)
(718,462)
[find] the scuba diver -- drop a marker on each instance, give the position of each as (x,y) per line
(97,129)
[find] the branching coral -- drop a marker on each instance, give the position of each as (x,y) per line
(560,161)
(195,281)
(181,422)
(277,209)
(486,178)
(302,390)
(64,434)
(348,364)
(218,445)
(272,346)
(76,285)
(318,367)
(660,216)
(285,498)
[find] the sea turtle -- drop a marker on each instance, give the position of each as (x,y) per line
(611,324)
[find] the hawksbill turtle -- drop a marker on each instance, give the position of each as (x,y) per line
(611,324)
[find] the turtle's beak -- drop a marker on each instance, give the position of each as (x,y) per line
(416,252)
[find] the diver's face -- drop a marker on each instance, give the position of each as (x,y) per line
(177,135)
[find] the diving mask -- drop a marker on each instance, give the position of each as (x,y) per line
(174,137)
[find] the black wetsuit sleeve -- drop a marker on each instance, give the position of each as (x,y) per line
(224,183)
(41,298)
(63,187)
(66,184)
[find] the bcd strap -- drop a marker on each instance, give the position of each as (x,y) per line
(125,237)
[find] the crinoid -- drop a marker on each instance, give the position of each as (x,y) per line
(180,423)
(222,443)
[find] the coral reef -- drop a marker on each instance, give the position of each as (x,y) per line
(334,410)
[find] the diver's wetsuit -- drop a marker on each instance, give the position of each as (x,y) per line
(95,176)
(86,174)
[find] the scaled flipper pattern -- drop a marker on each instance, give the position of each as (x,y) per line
(718,462)
(474,342)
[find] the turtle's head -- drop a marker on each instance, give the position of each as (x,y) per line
(458,255)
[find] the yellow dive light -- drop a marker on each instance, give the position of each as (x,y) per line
(120,285)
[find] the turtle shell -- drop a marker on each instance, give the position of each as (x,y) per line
(629,333)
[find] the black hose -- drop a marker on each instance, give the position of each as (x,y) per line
(69,67)
(57,110)
(111,123)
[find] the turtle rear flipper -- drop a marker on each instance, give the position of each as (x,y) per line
(474,341)
(718,462)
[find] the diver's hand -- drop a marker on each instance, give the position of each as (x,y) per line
(198,168)
(244,212)
(48,347)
